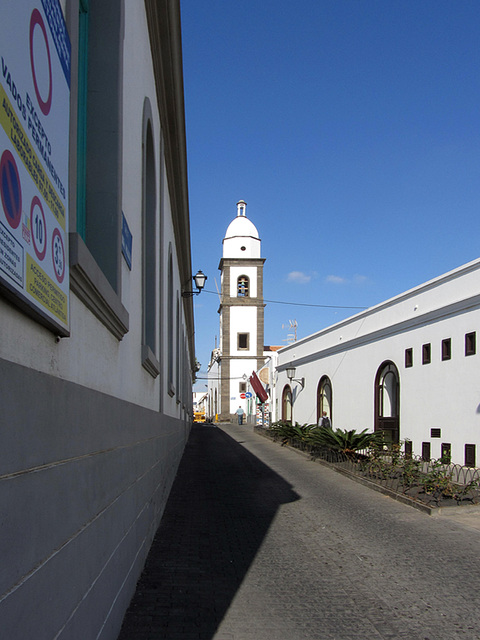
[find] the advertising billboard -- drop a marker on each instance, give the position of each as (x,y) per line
(34,126)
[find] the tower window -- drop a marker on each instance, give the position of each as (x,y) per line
(242,341)
(243,287)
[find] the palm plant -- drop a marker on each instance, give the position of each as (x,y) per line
(288,432)
(348,442)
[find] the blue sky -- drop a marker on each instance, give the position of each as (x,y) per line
(352,130)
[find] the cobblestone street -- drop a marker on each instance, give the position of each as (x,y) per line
(258,542)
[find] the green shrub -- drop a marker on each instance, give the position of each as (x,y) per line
(287,432)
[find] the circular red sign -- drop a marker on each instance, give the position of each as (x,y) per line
(10,189)
(58,256)
(45,105)
(38,227)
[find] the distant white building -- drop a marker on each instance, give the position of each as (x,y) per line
(408,366)
(199,401)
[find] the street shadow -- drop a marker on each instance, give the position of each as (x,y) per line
(220,508)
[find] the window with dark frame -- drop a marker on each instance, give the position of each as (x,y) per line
(242,387)
(148,238)
(470,343)
(426,451)
(435,432)
(409,357)
(99,134)
(469,455)
(242,341)
(170,327)
(408,449)
(446,453)
(426,353)
(446,349)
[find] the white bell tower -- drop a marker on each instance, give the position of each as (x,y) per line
(241,312)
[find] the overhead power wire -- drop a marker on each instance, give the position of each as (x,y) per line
(303,304)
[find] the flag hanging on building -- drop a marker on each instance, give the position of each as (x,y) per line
(262,395)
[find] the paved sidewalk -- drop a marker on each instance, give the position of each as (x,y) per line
(258,542)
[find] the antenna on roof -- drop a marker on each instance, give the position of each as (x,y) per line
(291,337)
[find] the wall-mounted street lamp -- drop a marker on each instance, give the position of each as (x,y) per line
(291,376)
(200,279)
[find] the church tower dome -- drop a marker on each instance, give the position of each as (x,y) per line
(241,238)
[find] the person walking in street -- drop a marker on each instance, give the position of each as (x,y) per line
(240,413)
(324,420)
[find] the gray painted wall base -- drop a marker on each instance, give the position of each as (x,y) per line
(84,479)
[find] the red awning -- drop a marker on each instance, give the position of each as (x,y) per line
(262,395)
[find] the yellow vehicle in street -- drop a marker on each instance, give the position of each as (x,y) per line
(199,416)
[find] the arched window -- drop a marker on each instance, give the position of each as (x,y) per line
(149,247)
(243,287)
(170,325)
(387,402)
(324,398)
(287,404)
(149,237)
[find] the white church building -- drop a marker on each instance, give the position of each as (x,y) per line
(408,366)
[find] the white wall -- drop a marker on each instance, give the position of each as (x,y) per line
(243,320)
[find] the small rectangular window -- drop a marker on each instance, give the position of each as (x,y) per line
(435,432)
(409,357)
(446,453)
(408,449)
(446,349)
(469,455)
(243,341)
(470,344)
(426,353)
(242,387)
(426,451)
